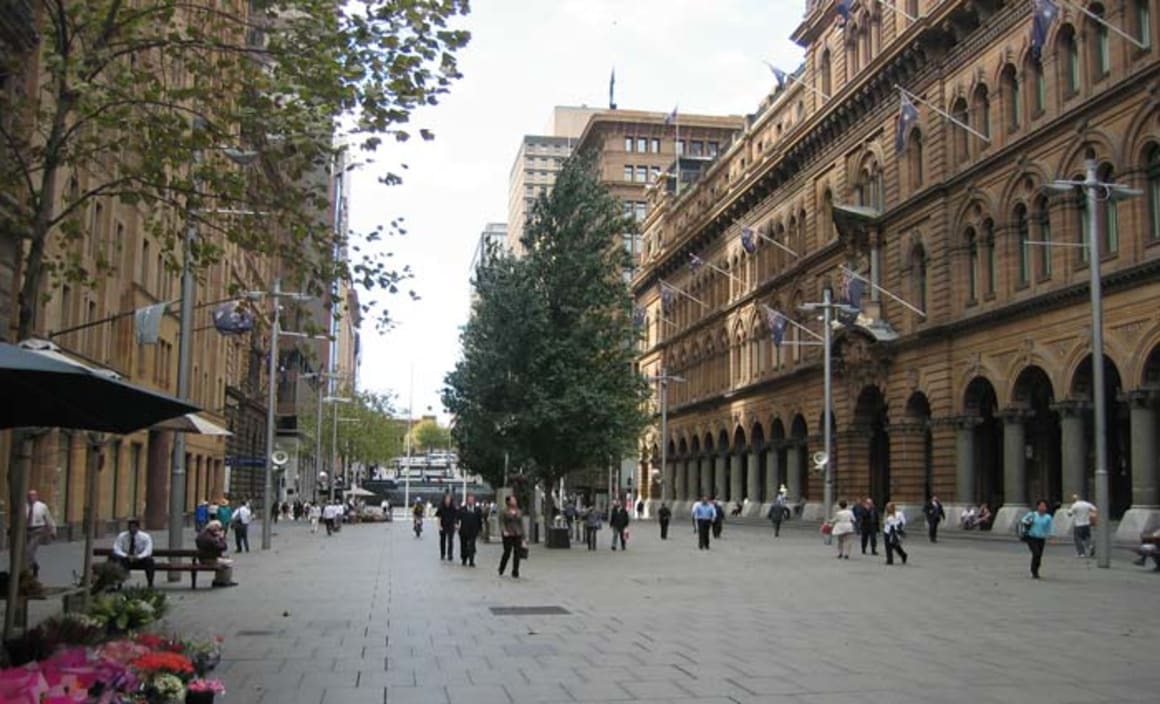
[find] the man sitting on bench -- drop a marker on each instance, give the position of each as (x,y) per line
(133,549)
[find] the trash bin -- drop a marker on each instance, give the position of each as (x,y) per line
(559,538)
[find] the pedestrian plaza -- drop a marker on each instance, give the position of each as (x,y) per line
(372,615)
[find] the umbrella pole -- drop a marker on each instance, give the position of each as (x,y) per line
(94,458)
(22,464)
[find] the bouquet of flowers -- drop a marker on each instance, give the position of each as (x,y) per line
(213,686)
(73,675)
(204,654)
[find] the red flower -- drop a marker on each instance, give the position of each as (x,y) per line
(158,662)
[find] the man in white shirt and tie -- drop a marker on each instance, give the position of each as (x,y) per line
(41,529)
(242,521)
(134,549)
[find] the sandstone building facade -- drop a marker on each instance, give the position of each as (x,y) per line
(987,397)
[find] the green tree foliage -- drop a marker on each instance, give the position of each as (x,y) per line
(547,371)
(368,432)
(126,94)
(429,435)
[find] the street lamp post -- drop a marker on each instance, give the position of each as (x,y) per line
(662,380)
(827,306)
(334,441)
(1095,191)
(178,470)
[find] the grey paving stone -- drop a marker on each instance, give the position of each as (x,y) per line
(354,696)
(416,695)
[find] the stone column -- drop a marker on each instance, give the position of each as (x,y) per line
(793,484)
(668,477)
(1145,511)
(966,478)
(736,477)
(679,480)
(1073,448)
(1014,470)
(772,473)
(707,480)
(719,477)
(753,477)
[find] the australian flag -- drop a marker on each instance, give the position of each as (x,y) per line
(666,300)
(748,241)
(671,118)
(232,319)
(1045,12)
(777,324)
(852,288)
(907,117)
(842,7)
(778,74)
(695,263)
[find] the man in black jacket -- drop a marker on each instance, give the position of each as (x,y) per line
(618,521)
(664,516)
(934,515)
(470,526)
(448,514)
(869,523)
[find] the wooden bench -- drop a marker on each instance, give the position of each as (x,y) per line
(193,567)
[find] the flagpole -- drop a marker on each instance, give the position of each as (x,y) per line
(716,269)
(1096,18)
(666,284)
(943,113)
(878,288)
(795,79)
(794,323)
(677,148)
(775,243)
(897,10)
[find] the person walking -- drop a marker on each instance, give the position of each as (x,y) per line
(933,510)
(225,515)
(664,515)
(41,529)
(704,514)
(1084,515)
(894,530)
(718,518)
(242,519)
(417,513)
(1036,531)
(591,526)
(843,523)
(200,516)
(618,520)
(314,512)
(470,525)
(869,523)
(777,513)
(511,523)
(447,513)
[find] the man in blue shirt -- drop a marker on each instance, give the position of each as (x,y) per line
(703,513)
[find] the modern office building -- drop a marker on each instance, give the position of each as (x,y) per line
(984,396)
(492,240)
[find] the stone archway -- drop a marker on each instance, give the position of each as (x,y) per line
(919,448)
(681,482)
(1031,439)
(740,466)
(980,447)
(1144,413)
(777,458)
(708,465)
(797,457)
(1077,420)
(870,419)
(695,467)
(721,474)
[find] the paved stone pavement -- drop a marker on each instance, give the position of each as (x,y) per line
(372,615)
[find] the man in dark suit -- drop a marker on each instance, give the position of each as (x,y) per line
(869,523)
(934,515)
(470,525)
(618,521)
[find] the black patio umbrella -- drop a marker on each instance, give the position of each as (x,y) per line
(47,390)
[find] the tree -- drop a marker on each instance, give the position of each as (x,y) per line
(125,96)
(547,373)
(429,435)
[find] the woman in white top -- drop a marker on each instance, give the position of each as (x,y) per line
(893,529)
(843,529)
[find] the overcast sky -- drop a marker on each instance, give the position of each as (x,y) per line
(525,57)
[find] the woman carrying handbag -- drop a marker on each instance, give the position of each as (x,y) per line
(515,545)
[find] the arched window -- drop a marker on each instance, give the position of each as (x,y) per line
(853,60)
(1152,172)
(914,158)
(1012,102)
(990,260)
(962,146)
(912,8)
(981,106)
(1043,235)
(1142,22)
(1098,43)
(873,37)
(972,243)
(824,69)
(918,272)
(827,225)
(1067,57)
(1082,225)
(801,232)
(1037,95)
(1022,239)
(801,110)
(1108,213)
